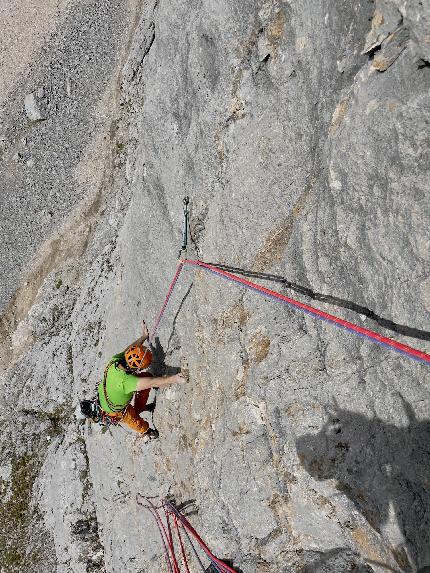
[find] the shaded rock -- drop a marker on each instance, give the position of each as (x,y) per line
(381,468)
(334,560)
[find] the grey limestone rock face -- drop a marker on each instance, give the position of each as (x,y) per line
(300,131)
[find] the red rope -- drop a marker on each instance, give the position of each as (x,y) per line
(163,536)
(178,533)
(339,322)
(171,542)
(166,535)
(413,353)
(184,521)
(163,308)
(166,300)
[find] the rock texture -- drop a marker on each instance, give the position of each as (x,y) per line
(300,130)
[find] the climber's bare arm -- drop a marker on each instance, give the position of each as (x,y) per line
(159,382)
(142,339)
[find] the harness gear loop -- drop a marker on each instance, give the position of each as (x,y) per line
(102,418)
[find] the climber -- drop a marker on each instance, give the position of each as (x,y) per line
(125,377)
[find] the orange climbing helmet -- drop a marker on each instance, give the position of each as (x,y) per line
(138,356)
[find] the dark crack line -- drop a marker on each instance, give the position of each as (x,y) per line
(146,49)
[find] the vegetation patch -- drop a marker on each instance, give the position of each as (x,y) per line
(16,517)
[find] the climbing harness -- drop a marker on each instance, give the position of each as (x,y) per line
(170,523)
(102,418)
(389,343)
(90,410)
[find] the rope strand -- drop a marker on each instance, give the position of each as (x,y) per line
(389,343)
(413,353)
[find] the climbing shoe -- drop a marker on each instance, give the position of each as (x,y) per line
(152,434)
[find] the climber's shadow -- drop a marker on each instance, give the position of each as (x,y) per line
(159,366)
(380,467)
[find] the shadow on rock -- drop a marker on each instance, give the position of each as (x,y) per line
(159,366)
(187,508)
(383,469)
(338,559)
(334,300)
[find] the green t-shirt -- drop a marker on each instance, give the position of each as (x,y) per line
(120,386)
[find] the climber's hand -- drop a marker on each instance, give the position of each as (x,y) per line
(178,378)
